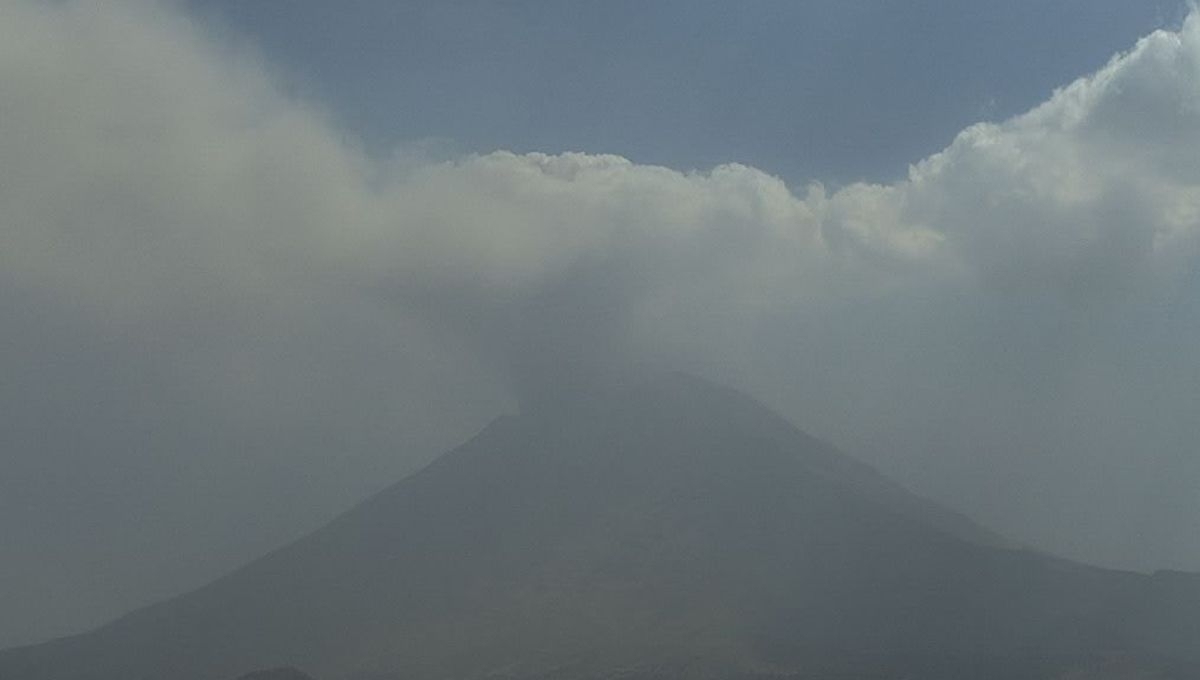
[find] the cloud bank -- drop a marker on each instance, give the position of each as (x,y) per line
(222,314)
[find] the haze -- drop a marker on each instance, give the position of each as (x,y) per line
(258,262)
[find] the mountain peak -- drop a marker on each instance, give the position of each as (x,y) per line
(668,527)
(662,404)
(667,386)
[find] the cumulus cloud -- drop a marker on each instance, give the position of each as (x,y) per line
(212,290)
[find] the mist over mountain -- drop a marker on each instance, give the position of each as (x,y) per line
(672,528)
(241,288)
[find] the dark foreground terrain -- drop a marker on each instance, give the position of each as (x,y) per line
(276,674)
(673,530)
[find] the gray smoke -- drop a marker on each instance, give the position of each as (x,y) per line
(223,321)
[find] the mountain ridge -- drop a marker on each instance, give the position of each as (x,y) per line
(671,525)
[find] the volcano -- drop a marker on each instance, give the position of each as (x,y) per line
(672,529)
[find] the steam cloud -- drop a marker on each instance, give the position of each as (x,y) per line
(208,288)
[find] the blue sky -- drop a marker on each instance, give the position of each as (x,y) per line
(827,90)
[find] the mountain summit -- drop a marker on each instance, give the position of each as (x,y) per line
(673,529)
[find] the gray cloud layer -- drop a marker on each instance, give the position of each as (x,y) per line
(224,321)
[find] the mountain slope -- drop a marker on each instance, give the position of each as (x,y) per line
(276,674)
(677,528)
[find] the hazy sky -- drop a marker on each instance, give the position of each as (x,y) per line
(258,260)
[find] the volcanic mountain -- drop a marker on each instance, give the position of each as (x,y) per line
(672,529)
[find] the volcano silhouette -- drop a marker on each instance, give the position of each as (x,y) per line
(673,529)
